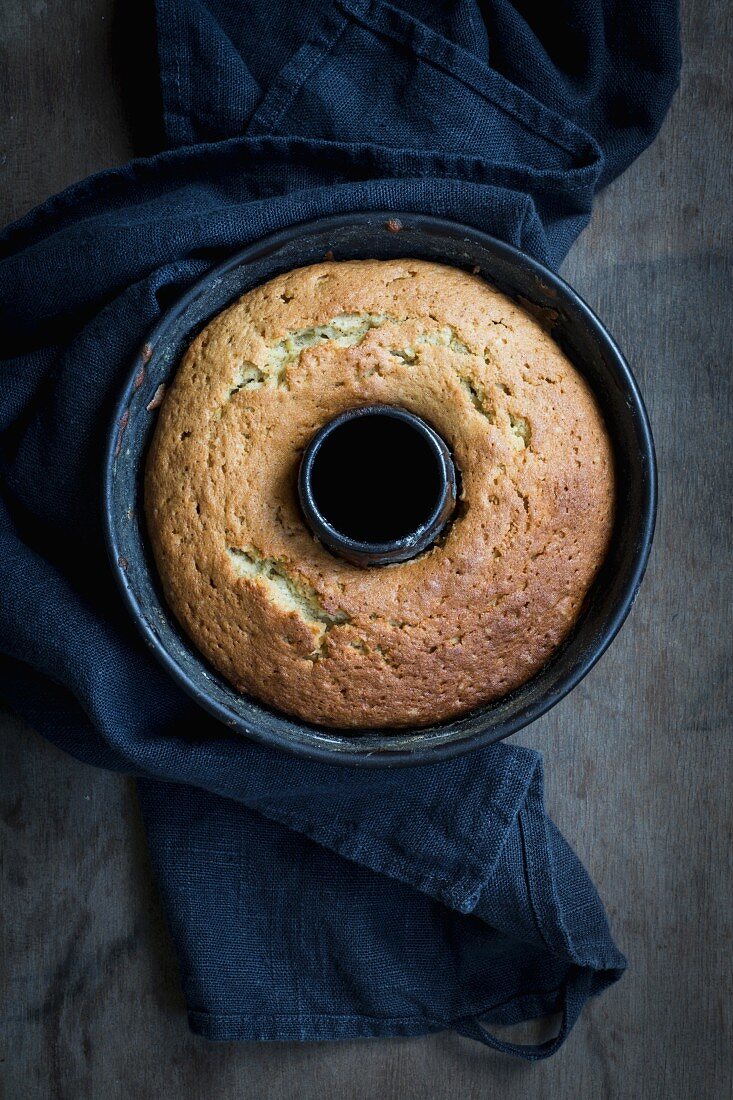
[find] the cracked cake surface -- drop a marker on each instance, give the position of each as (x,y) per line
(467,621)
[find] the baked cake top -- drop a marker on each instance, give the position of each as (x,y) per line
(470,619)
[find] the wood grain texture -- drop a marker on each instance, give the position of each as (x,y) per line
(639,763)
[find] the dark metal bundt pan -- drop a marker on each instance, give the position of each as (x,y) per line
(577,330)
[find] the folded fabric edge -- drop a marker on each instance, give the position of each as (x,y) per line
(223,1027)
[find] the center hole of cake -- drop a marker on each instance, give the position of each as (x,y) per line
(376,478)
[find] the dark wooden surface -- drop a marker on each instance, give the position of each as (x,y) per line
(639,763)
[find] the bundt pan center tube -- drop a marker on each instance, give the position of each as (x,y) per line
(377,485)
(426,479)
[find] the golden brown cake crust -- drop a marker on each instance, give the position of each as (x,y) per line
(403,645)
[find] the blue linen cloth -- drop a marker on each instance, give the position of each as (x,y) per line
(307,901)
